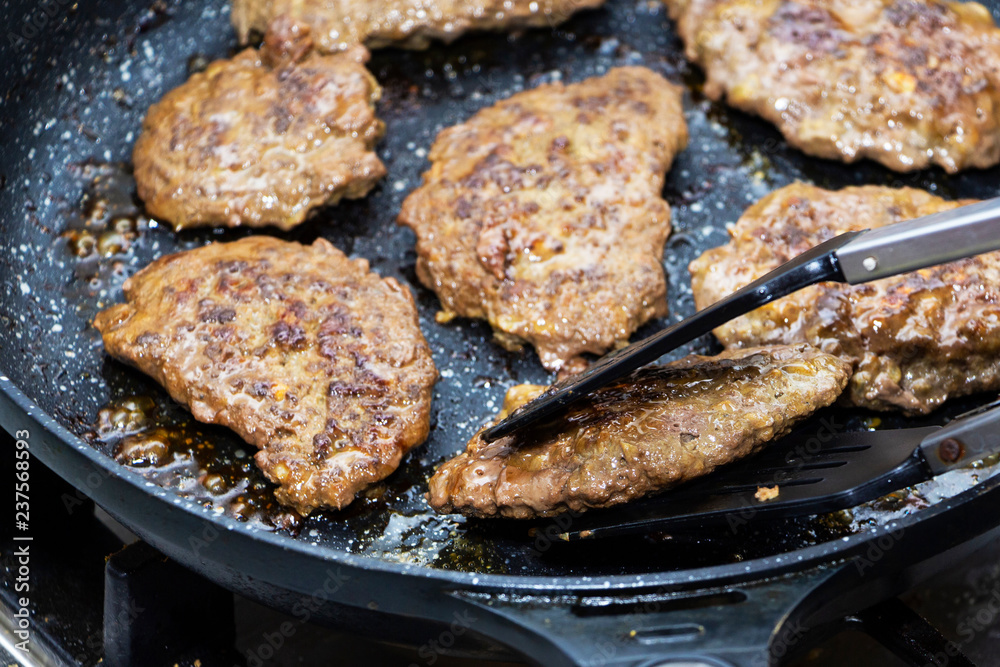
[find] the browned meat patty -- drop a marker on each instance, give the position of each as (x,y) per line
(662,426)
(263,138)
(337,24)
(915,340)
(909,83)
(300,350)
(543,213)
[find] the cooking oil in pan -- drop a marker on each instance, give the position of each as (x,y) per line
(107,236)
(730,163)
(167,448)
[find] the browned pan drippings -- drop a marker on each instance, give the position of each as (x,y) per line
(77,109)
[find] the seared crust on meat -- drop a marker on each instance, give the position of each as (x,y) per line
(909,83)
(300,350)
(263,138)
(915,340)
(411,24)
(543,213)
(661,426)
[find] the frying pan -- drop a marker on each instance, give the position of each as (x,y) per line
(77,79)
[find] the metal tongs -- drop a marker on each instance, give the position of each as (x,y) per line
(854,257)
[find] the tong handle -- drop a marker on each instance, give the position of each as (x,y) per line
(935,239)
(968,438)
(853,257)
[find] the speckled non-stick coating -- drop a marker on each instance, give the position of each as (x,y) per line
(76,91)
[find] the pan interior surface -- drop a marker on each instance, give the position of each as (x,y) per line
(71,232)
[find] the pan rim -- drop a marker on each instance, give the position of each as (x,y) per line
(743,571)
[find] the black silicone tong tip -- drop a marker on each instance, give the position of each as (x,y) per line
(817,265)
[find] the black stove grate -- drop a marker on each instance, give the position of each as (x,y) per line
(98,597)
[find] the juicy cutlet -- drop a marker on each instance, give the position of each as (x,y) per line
(543,213)
(908,83)
(411,24)
(301,351)
(263,138)
(914,340)
(657,428)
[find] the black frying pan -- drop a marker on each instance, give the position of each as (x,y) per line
(76,85)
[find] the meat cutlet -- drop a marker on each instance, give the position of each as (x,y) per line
(908,83)
(661,426)
(263,138)
(915,340)
(543,213)
(412,24)
(301,351)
